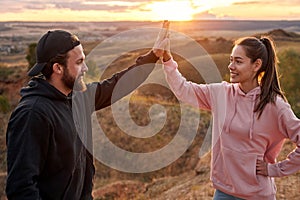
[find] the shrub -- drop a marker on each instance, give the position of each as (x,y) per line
(5,72)
(289,70)
(4,104)
(31,55)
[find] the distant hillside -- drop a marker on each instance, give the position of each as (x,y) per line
(281,35)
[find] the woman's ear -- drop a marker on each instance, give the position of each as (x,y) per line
(57,68)
(257,64)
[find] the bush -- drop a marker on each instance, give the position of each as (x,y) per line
(31,55)
(289,69)
(5,72)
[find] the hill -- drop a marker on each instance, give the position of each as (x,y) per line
(177,180)
(282,35)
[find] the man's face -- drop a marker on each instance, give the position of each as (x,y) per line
(75,70)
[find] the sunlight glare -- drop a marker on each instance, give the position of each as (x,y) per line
(172,10)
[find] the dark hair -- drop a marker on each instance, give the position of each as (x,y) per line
(264,49)
(60,59)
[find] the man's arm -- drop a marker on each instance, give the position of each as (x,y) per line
(135,75)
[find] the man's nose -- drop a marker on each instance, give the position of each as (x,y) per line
(85,67)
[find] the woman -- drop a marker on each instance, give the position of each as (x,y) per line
(251,121)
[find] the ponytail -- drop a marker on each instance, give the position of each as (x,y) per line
(264,49)
(270,86)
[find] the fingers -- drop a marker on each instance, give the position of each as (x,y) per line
(162,42)
(166,24)
(163,33)
(166,56)
(161,47)
(158,52)
(261,167)
(165,44)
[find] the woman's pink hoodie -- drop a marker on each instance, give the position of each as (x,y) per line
(239,138)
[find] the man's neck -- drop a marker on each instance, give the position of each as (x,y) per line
(59,85)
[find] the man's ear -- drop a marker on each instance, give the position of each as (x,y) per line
(57,68)
(257,64)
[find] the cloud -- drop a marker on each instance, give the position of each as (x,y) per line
(204,15)
(115,5)
(11,6)
(138,9)
(209,15)
(246,3)
(79,5)
(271,2)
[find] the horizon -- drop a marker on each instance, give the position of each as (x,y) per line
(195,28)
(156,21)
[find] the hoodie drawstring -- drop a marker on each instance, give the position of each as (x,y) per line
(252,115)
(233,114)
(252,118)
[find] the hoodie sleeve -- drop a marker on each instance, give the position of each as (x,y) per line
(289,125)
(197,95)
(26,153)
(106,94)
(88,179)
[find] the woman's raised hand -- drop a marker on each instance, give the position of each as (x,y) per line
(162,43)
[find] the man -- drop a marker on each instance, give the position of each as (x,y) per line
(47,155)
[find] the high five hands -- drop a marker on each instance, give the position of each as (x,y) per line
(161,46)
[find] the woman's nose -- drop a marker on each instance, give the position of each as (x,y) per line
(231,65)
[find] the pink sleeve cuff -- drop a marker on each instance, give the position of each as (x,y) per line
(273,170)
(170,65)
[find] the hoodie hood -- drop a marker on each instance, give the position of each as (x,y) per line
(251,96)
(38,86)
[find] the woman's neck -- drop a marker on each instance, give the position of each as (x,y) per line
(246,87)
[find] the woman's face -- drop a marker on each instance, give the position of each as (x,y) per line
(242,70)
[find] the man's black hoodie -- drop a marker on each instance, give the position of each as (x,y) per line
(46,158)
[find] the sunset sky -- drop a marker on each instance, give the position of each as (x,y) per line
(145,10)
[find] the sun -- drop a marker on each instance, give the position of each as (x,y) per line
(172,10)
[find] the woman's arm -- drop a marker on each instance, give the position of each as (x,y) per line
(289,125)
(186,91)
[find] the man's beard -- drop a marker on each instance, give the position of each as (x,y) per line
(74,83)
